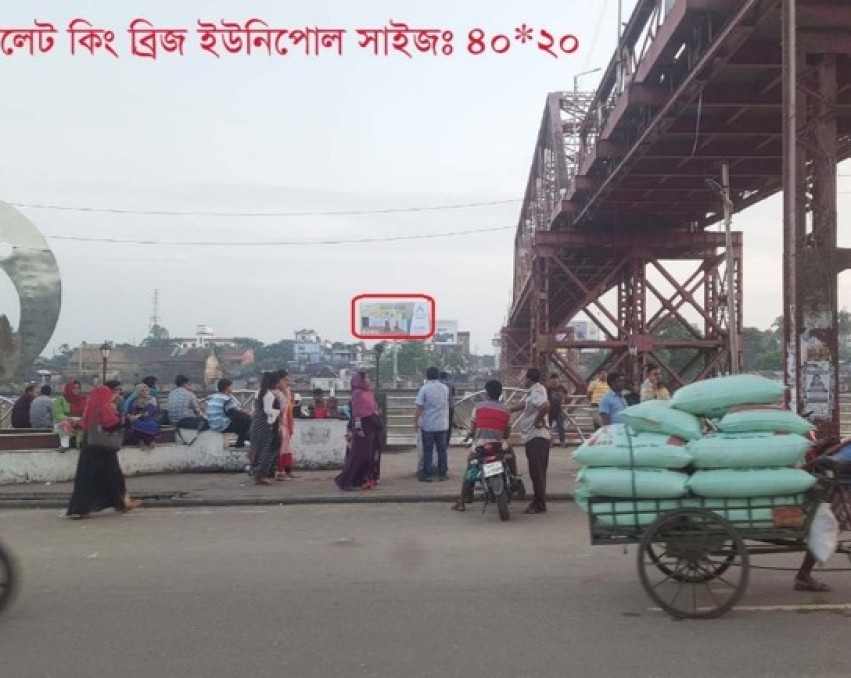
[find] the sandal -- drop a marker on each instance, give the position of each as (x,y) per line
(130,505)
(79,516)
(532,509)
(262,481)
(458,506)
(811,585)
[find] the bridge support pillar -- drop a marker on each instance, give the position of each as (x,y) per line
(811,261)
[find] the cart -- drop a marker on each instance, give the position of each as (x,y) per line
(694,554)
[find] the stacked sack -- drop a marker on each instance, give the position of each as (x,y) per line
(646,458)
(750,455)
(756,446)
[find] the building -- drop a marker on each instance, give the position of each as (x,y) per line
(309,348)
(204,338)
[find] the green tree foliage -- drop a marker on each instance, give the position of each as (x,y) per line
(158,336)
(247,342)
(414,357)
(274,356)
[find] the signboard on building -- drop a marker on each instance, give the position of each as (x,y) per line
(446,333)
(584,330)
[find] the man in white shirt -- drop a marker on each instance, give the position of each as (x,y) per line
(432,424)
(535,435)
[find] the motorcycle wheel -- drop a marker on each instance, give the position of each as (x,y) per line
(502,506)
(8,578)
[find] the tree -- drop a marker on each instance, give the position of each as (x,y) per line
(275,356)
(158,336)
(247,342)
(414,357)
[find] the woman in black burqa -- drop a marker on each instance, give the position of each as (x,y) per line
(99,482)
(363,461)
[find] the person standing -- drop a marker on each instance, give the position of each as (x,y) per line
(286,427)
(363,458)
(614,402)
(20,415)
(99,482)
(41,409)
(446,380)
(535,435)
(556,394)
(224,414)
(431,422)
(598,387)
(264,451)
(652,388)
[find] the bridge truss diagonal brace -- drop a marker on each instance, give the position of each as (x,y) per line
(629,324)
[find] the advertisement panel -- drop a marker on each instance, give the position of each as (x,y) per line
(393,316)
(446,333)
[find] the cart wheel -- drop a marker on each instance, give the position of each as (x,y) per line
(713,568)
(683,558)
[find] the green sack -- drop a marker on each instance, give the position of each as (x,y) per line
(763,418)
(713,397)
(640,483)
(658,416)
(762,482)
(748,450)
(610,446)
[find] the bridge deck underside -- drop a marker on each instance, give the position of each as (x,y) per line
(709,89)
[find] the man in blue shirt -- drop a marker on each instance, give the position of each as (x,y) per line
(432,424)
(613,403)
(224,414)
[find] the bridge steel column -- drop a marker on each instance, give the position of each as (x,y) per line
(629,331)
(812,260)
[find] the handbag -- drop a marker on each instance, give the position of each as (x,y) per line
(99,437)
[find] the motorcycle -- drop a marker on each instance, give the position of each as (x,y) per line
(8,577)
(490,472)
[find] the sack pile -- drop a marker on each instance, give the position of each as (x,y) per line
(750,454)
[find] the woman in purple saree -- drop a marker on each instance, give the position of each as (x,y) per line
(363,461)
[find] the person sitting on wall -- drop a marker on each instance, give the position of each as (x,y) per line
(41,409)
(183,408)
(225,415)
(21,409)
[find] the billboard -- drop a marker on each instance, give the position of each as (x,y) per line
(584,330)
(446,333)
(393,316)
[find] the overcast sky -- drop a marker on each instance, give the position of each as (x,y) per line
(295,133)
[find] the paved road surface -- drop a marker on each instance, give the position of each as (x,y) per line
(397,591)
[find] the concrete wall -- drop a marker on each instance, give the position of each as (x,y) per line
(318,444)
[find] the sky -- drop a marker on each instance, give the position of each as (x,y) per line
(317,134)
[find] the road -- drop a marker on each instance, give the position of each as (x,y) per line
(379,590)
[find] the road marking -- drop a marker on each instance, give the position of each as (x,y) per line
(826,607)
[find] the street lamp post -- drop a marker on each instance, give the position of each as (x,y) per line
(105,350)
(722,190)
(379,349)
(579,75)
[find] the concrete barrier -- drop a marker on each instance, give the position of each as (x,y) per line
(317,444)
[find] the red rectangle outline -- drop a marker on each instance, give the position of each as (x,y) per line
(396,337)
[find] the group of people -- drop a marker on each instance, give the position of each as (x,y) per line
(610,395)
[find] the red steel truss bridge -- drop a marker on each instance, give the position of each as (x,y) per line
(625,182)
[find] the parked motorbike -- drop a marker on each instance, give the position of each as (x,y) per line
(490,473)
(8,577)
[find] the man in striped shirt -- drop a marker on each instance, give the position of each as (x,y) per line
(490,423)
(224,414)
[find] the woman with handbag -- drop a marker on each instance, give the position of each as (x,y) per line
(362,469)
(99,482)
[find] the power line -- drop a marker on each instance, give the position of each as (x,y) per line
(272,243)
(199,213)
